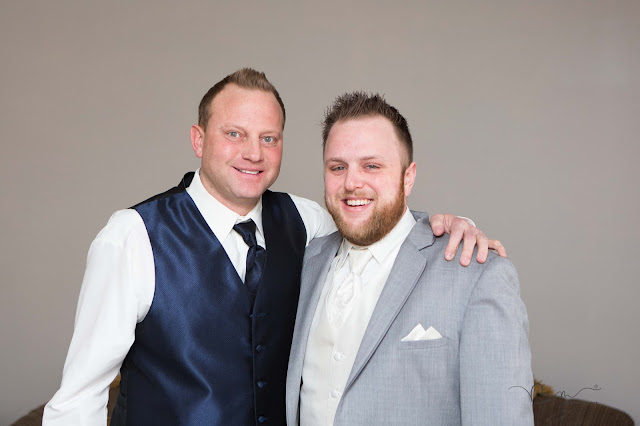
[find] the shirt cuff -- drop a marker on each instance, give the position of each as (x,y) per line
(472,223)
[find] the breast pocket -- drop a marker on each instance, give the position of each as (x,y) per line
(428,359)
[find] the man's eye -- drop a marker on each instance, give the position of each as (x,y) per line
(234,134)
(372,166)
(269,139)
(337,168)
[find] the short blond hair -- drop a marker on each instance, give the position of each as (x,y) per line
(247,78)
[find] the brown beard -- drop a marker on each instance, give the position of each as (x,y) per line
(381,222)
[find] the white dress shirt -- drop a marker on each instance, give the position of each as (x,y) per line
(331,351)
(117,291)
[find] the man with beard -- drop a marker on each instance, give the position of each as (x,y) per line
(192,294)
(387,331)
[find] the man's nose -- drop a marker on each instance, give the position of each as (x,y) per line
(353,180)
(252,150)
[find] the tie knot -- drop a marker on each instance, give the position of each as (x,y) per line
(358,259)
(247,231)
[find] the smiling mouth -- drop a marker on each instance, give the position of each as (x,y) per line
(358,202)
(249,172)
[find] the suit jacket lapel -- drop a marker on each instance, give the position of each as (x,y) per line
(407,269)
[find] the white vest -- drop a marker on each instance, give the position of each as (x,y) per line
(331,351)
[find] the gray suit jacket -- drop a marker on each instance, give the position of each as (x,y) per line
(466,377)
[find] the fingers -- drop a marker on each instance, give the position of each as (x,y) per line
(469,235)
(483,247)
(468,246)
(458,230)
(437,224)
(497,246)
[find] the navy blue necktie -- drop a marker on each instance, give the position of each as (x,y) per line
(256,257)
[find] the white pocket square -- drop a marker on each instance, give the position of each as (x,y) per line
(419,333)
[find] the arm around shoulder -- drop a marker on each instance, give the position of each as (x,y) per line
(316,219)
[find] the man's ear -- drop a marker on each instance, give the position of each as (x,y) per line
(197,139)
(409,178)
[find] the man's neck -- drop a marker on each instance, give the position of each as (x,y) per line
(242,209)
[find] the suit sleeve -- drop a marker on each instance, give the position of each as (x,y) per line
(495,358)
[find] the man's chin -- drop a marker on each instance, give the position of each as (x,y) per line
(357,239)
(252,192)
(358,234)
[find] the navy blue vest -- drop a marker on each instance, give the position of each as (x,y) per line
(201,356)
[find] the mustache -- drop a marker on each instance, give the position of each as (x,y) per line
(354,194)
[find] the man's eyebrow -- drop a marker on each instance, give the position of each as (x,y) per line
(272,131)
(372,157)
(332,159)
(367,158)
(226,126)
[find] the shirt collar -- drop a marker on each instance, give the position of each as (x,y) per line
(383,248)
(219,217)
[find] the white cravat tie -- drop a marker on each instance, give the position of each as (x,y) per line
(343,296)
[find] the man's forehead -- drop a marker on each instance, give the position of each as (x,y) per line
(256,102)
(375,135)
(363,129)
(232,93)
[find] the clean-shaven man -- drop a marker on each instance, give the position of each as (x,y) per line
(192,294)
(387,331)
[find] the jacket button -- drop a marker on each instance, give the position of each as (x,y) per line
(259,348)
(262,419)
(261,384)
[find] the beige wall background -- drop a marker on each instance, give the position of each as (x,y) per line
(525,117)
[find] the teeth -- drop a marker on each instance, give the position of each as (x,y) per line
(354,203)
(249,172)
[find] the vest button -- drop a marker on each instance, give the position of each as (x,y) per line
(262,419)
(259,348)
(261,384)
